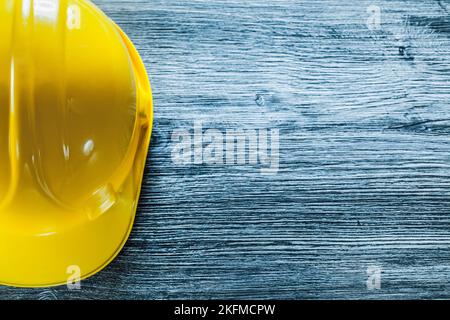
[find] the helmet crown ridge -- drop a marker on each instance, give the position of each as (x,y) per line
(69,112)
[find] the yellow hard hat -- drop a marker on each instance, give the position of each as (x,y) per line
(75,124)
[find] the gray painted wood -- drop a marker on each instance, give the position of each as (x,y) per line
(364,176)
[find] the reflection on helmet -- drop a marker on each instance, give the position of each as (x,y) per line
(75,123)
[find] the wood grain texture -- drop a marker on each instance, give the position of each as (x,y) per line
(364,173)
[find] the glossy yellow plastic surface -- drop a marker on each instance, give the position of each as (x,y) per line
(75,124)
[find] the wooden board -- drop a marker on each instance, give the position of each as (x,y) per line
(364,175)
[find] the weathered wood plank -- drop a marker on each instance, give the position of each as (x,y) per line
(364,176)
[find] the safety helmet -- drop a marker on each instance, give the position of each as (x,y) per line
(75,124)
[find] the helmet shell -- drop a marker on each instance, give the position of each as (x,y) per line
(75,124)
